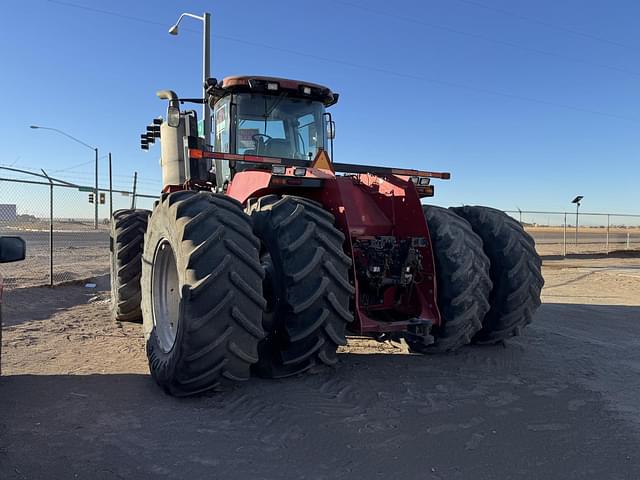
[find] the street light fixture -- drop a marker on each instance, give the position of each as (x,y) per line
(206,42)
(95,149)
(577,201)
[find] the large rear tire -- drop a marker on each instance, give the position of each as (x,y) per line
(515,272)
(463,284)
(306,285)
(201,292)
(126,244)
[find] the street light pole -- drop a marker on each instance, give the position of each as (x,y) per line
(206,69)
(577,201)
(206,66)
(577,212)
(95,149)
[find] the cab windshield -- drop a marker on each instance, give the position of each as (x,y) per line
(278,126)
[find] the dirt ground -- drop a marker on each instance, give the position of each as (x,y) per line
(560,402)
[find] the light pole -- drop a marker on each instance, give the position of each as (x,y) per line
(95,149)
(206,42)
(577,201)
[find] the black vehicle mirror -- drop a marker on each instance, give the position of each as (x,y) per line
(12,249)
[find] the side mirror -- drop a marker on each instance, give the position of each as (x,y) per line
(12,249)
(173,116)
(331,129)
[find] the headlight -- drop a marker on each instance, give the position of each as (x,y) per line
(279,169)
(300,171)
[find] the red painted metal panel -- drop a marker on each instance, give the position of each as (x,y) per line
(367,206)
(252,183)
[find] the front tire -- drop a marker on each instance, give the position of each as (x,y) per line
(126,244)
(201,292)
(307,285)
(515,272)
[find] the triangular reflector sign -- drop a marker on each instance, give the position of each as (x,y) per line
(322,161)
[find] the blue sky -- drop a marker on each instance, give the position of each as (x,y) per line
(526,103)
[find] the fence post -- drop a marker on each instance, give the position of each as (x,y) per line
(97,194)
(110,190)
(564,240)
(50,228)
(133,198)
(608,224)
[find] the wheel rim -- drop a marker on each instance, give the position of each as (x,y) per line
(165,295)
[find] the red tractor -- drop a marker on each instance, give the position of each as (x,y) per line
(263,253)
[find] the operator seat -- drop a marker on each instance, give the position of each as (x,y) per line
(277,147)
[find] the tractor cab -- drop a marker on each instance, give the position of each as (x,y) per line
(268,117)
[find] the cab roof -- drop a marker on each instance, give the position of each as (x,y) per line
(276,85)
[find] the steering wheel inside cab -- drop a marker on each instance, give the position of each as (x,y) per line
(260,140)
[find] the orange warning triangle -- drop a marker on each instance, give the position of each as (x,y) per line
(322,161)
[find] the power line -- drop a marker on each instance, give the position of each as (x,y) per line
(84,176)
(73,166)
(107,12)
(394,73)
(549,24)
(445,83)
(486,38)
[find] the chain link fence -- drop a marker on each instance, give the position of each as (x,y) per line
(64,244)
(58,223)
(556,233)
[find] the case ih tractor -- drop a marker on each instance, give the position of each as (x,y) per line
(262,253)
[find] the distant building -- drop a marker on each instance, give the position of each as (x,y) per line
(8,212)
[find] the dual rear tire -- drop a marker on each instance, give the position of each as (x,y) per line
(489,276)
(307,285)
(515,270)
